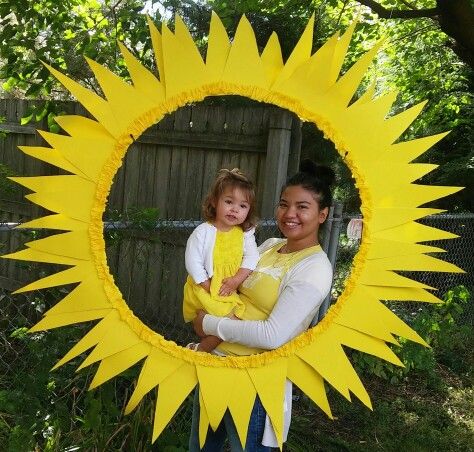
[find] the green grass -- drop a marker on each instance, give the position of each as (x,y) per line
(408,416)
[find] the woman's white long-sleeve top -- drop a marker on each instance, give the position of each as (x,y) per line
(302,290)
(200,249)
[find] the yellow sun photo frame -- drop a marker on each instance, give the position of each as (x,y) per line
(309,85)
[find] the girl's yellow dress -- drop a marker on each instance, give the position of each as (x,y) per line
(227,259)
(259,292)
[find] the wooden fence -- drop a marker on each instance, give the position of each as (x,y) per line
(169,168)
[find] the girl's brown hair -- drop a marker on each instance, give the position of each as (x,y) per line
(230,179)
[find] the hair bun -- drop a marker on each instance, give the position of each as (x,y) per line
(322,172)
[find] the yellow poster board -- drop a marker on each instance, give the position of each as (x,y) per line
(310,86)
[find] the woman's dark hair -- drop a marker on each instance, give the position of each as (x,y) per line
(315,178)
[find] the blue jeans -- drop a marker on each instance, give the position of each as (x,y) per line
(215,440)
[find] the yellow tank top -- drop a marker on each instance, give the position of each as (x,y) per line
(259,292)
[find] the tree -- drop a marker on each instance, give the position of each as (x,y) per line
(425,57)
(455,18)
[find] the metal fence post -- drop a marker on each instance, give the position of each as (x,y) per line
(329,244)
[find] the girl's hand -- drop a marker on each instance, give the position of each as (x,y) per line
(229,286)
(206,285)
(197,323)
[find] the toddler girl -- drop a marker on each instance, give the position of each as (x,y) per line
(221,252)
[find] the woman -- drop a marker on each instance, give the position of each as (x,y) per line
(282,296)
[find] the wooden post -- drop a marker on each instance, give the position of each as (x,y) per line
(295,146)
(276,161)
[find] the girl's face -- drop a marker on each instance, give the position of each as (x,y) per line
(299,217)
(232,209)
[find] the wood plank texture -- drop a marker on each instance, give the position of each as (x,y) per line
(170,167)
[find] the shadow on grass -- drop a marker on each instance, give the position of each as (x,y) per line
(406,417)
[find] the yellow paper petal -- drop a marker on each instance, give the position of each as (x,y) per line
(310,382)
(91,338)
(414,232)
(71,244)
(87,296)
(203,421)
(118,94)
(119,362)
(340,53)
(244,66)
(241,402)
(52,156)
(372,275)
(300,53)
(367,96)
(272,59)
(55,321)
(402,294)
(269,381)
(378,321)
(374,111)
(72,275)
(171,394)
(217,49)
(157,43)
(385,248)
(407,151)
(83,128)
(97,106)
(346,86)
(330,361)
(86,154)
(366,343)
(415,263)
(181,57)
(320,73)
(57,221)
(143,80)
(39,256)
(386,218)
(51,193)
(157,367)
(215,385)
(118,339)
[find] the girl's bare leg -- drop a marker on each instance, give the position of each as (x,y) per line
(209,343)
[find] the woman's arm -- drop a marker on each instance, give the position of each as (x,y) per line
(297,304)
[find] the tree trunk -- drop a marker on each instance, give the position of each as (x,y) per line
(456,19)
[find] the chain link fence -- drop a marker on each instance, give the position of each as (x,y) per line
(148,266)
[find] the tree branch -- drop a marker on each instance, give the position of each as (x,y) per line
(385,13)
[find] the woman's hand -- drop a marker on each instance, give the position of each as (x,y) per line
(197,323)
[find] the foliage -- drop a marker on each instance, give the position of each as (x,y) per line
(405,417)
(53,411)
(417,60)
(60,34)
(450,344)
(430,410)
(7,187)
(132,222)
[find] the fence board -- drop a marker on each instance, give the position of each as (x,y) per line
(170,167)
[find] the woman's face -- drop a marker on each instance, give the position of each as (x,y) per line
(299,217)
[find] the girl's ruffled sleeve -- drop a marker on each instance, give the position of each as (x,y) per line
(251,254)
(194,255)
